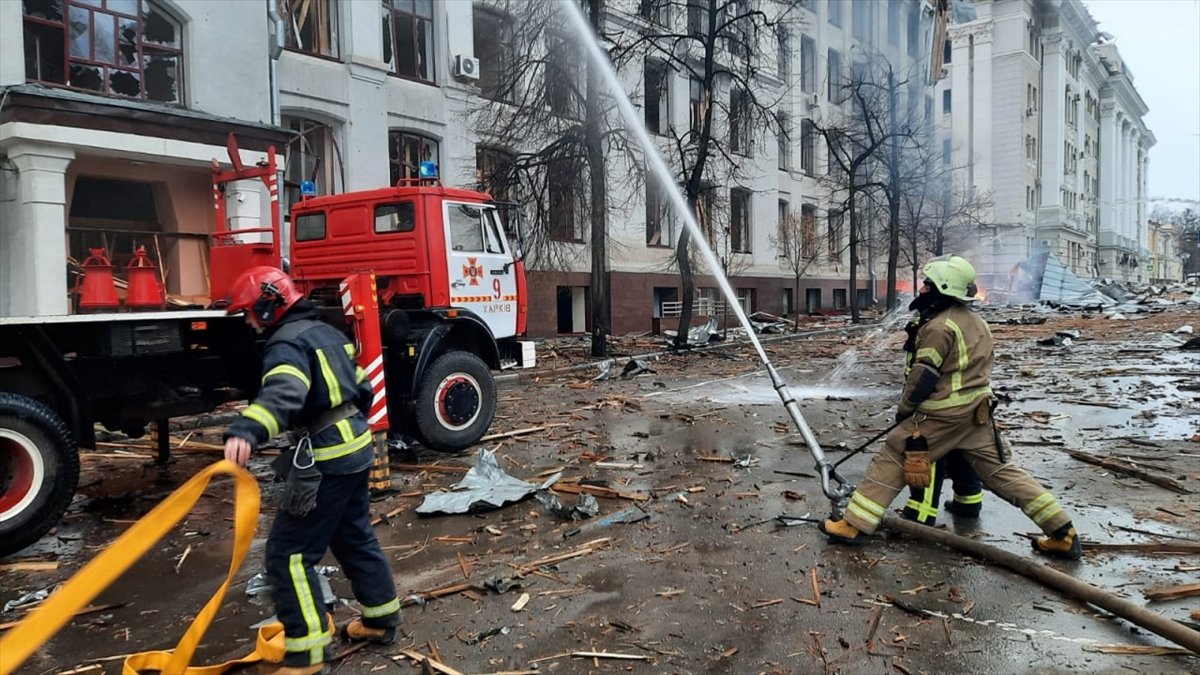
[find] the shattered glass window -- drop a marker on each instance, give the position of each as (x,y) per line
(121,47)
(310,26)
(406,151)
(408,38)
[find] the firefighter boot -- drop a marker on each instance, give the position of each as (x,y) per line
(842,532)
(964,509)
(357,631)
(1064,543)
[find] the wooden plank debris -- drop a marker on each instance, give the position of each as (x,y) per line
(610,655)
(30,566)
(598,491)
(423,661)
(815,588)
(1113,465)
(521,432)
(1138,650)
(520,603)
(1172,592)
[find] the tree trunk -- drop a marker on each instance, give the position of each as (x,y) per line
(796,304)
(939,240)
(893,199)
(853,247)
(601,325)
(689,288)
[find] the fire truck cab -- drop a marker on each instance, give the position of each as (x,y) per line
(449,286)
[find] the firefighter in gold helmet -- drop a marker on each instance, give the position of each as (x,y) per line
(311,384)
(946,405)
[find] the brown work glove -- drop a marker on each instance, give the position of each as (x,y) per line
(916,460)
(916,468)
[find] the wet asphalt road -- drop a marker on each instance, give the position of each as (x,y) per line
(704,584)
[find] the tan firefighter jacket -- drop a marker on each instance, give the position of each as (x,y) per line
(958,345)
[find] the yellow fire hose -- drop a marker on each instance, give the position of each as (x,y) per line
(40,626)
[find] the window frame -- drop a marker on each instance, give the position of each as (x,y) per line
(741,213)
(412,224)
(143,48)
(661,95)
(660,220)
(332,25)
(783,138)
(394,161)
(394,67)
(296,229)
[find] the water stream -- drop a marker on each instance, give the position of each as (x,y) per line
(660,172)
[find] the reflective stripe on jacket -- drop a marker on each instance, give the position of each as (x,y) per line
(958,345)
(308,369)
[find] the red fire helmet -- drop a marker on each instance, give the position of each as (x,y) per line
(266,292)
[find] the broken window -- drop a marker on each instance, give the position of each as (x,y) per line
(564,77)
(739,220)
(740,137)
(835,76)
(128,48)
(406,151)
(660,225)
(808,65)
(310,26)
(697,105)
(494,49)
(495,171)
(808,147)
(408,38)
(310,155)
(808,231)
(656,87)
(783,135)
(834,236)
(563,182)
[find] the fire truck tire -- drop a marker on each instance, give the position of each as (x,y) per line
(39,471)
(456,402)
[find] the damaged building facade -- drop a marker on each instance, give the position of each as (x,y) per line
(1042,114)
(111,112)
(110,116)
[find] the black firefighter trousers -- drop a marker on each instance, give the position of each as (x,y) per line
(341,523)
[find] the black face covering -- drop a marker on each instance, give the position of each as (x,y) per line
(930,302)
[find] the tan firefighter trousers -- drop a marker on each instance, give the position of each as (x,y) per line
(885,474)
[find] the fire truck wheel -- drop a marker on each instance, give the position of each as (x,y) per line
(457,400)
(39,470)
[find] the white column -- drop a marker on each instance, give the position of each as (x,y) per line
(1122,178)
(33,243)
(1107,167)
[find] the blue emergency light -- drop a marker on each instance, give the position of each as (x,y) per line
(308,189)
(428,169)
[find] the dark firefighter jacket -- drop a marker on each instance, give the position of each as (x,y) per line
(957,345)
(309,368)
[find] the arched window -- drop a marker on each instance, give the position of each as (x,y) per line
(311,154)
(406,151)
(119,47)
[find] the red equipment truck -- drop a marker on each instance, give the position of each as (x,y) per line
(421,276)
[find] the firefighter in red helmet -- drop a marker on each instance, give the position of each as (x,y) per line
(312,385)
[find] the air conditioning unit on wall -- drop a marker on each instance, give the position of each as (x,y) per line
(466,67)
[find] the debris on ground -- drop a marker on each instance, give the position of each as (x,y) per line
(485,487)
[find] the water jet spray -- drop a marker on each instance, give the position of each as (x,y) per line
(835,487)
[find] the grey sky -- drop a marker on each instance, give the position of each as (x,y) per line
(1160,42)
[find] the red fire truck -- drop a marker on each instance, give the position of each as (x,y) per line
(421,276)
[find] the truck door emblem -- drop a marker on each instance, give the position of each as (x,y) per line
(473,271)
